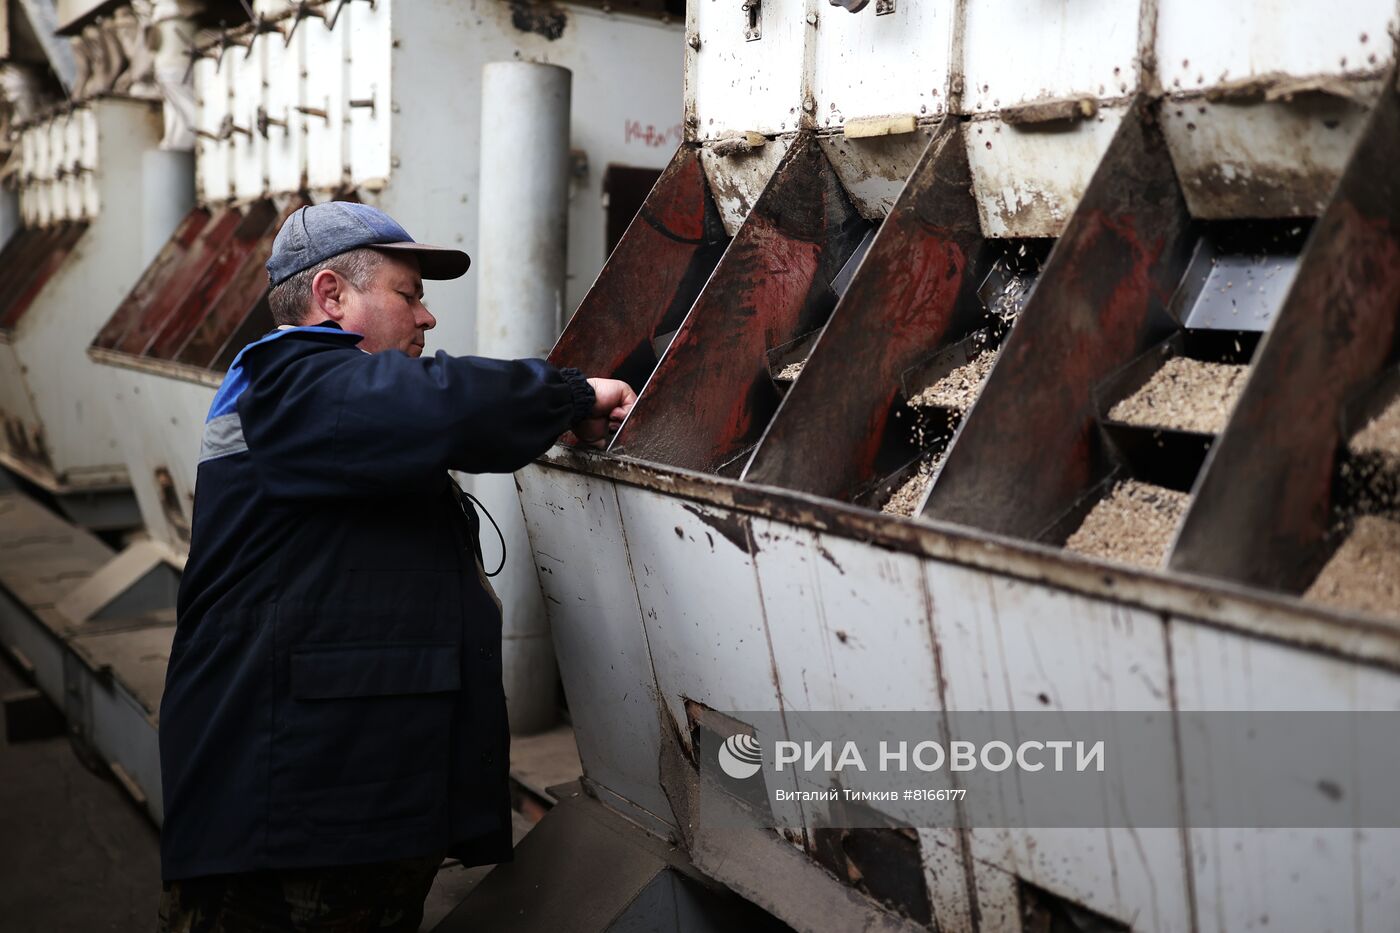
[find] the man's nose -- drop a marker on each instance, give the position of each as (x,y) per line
(426,320)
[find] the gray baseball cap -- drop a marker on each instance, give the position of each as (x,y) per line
(316,233)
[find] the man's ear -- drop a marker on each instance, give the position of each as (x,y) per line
(327,293)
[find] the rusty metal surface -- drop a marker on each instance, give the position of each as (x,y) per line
(256,230)
(1030,448)
(826,436)
(711,396)
(1215,602)
(1263,506)
(164,302)
(157,275)
(651,279)
(38,255)
(233,307)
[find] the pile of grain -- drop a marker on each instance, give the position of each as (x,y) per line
(906,499)
(1184,395)
(1133,524)
(1364,574)
(791,371)
(957,390)
(1380,435)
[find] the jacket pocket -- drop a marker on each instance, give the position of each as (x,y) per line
(370,670)
(362,739)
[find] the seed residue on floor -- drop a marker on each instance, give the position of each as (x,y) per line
(957,390)
(1364,574)
(1380,435)
(791,371)
(1184,395)
(1131,525)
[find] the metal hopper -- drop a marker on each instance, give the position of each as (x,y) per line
(681,593)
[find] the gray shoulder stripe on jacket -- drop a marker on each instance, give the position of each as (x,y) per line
(223,436)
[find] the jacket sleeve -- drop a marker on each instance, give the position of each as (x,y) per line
(352,424)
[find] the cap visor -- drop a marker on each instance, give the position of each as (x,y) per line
(434,262)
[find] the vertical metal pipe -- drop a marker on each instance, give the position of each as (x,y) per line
(520,293)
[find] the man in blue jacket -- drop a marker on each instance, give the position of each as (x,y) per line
(334,722)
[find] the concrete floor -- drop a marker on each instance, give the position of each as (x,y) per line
(75,853)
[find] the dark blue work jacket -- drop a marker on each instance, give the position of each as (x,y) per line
(334,690)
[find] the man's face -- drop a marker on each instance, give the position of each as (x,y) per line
(390,312)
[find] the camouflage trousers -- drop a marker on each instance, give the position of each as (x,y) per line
(381,898)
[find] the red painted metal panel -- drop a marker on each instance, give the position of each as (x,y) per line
(154,280)
(164,303)
(20,261)
(1030,447)
(219,273)
(46,252)
(1263,508)
(246,289)
(711,395)
(898,310)
(650,280)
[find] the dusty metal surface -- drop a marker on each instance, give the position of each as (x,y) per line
(1335,332)
(1260,159)
(1028,179)
(711,395)
(874,170)
(828,433)
(651,279)
(736,180)
(1029,448)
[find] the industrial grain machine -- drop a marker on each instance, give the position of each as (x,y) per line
(1103,298)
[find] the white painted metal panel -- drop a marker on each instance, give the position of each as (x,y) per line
(849,623)
(69,400)
(325,94)
(285,147)
(368,100)
(1295,879)
(59,163)
(1202,43)
(706,630)
(849,629)
(1020,51)
(212,167)
(582,557)
(162,422)
(736,181)
(1261,160)
(246,81)
(740,84)
(867,65)
(1028,183)
(88,145)
(1015,646)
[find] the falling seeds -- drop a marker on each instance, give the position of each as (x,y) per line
(1364,574)
(1184,395)
(1380,435)
(957,390)
(1131,525)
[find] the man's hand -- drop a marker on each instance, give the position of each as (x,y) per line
(613,399)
